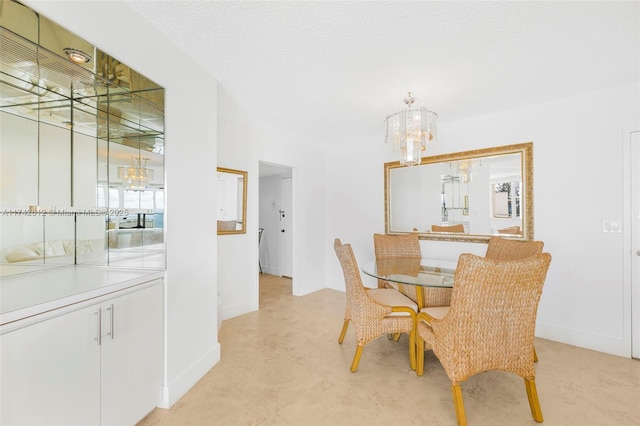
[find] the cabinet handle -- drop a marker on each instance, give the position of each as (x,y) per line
(99,321)
(112,313)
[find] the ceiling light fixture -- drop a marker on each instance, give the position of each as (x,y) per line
(136,176)
(77,56)
(466,168)
(409,131)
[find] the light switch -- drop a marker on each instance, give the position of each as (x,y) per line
(611,225)
(615,226)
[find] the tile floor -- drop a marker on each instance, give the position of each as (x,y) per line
(282,365)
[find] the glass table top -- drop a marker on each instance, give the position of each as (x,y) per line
(418,272)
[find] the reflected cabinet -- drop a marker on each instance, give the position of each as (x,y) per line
(463,196)
(81,151)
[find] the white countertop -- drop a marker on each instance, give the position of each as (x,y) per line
(32,293)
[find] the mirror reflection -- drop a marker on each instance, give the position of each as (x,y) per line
(465,196)
(81,152)
(232,201)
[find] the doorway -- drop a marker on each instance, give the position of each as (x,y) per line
(275,248)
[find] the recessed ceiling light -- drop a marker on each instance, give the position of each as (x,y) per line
(77,56)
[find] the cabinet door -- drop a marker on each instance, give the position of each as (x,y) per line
(50,372)
(132,355)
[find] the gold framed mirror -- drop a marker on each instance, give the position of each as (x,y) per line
(232,201)
(464,196)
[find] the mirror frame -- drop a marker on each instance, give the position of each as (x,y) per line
(526,167)
(244,175)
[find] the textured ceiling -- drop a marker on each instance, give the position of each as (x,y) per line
(336,68)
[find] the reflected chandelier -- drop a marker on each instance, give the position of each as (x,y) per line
(410,130)
(136,176)
(466,168)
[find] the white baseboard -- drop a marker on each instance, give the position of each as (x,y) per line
(337,285)
(239,309)
(582,339)
(271,270)
(178,387)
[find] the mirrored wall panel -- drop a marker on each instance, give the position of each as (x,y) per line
(81,152)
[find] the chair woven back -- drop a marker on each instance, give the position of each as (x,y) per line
(450,228)
(491,322)
(393,246)
(407,246)
(515,230)
(505,249)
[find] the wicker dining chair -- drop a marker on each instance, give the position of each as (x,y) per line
(459,228)
(407,246)
(374,312)
(505,249)
(490,324)
(513,230)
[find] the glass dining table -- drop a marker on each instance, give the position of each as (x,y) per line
(413,271)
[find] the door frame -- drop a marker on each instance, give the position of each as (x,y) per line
(286,238)
(282,170)
(631,270)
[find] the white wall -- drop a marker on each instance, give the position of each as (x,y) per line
(190,131)
(578,179)
(242,146)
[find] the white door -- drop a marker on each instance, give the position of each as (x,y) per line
(635,243)
(286,234)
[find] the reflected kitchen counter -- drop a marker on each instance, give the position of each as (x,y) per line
(135,237)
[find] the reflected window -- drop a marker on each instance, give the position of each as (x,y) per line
(146,200)
(101,198)
(114,198)
(506,200)
(159,199)
(131,199)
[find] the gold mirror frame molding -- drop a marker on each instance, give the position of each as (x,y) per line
(526,167)
(222,225)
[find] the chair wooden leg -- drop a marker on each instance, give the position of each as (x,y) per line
(534,403)
(356,359)
(344,331)
(456,391)
(412,349)
(396,337)
(419,355)
(535,355)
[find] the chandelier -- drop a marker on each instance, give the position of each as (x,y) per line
(466,168)
(136,176)
(409,131)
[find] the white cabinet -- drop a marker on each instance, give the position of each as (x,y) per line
(50,372)
(99,364)
(132,356)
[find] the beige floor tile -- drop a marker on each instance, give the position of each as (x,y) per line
(282,365)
